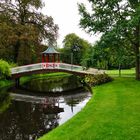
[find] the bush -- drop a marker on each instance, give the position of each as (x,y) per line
(98,79)
(4,69)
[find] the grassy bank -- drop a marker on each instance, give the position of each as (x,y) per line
(113,113)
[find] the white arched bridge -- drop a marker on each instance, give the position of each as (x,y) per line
(38,68)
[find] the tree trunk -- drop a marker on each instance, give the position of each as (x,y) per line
(119,69)
(137,52)
(16,51)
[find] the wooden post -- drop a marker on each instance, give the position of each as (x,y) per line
(42,58)
(47,58)
(58,58)
(53,59)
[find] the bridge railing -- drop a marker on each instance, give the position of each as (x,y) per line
(40,66)
(63,66)
(26,68)
(70,67)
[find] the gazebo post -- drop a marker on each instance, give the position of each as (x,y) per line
(53,58)
(58,58)
(42,58)
(48,58)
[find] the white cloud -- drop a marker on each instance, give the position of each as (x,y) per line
(65,14)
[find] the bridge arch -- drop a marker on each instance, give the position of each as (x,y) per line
(39,68)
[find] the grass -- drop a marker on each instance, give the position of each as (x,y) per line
(113,113)
(124,73)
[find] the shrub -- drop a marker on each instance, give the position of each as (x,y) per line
(4,69)
(98,79)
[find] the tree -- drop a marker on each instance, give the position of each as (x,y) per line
(74,49)
(119,16)
(110,53)
(23,28)
(118,50)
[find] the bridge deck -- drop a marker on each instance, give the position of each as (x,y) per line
(33,68)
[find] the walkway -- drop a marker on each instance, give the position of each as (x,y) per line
(50,67)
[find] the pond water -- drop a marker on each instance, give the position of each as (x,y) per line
(50,84)
(32,115)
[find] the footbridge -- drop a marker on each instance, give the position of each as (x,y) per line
(39,68)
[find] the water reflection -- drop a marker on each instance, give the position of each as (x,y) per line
(5,100)
(29,116)
(57,84)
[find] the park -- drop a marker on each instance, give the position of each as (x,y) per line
(79,91)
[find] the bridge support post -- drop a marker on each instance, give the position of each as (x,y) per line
(17,82)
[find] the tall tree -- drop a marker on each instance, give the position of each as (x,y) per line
(120,16)
(74,49)
(23,27)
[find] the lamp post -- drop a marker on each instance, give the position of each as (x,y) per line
(75,48)
(71,60)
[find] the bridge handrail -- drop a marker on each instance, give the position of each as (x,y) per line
(55,66)
(40,66)
(70,67)
(26,68)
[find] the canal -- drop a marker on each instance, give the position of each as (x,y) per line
(32,114)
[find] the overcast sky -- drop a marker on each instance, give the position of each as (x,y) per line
(65,14)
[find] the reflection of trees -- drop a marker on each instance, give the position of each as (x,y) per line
(56,84)
(51,105)
(24,121)
(5,100)
(74,99)
(28,121)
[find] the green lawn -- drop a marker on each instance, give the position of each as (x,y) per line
(113,113)
(124,73)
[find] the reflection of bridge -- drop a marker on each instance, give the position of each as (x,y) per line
(20,71)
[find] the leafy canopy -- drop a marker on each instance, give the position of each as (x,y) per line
(121,18)
(23,27)
(74,49)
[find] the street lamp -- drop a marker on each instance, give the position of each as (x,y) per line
(75,48)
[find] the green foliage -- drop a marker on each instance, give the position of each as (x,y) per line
(22,29)
(105,55)
(74,50)
(98,79)
(4,69)
(117,19)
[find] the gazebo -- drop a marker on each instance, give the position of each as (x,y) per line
(50,55)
